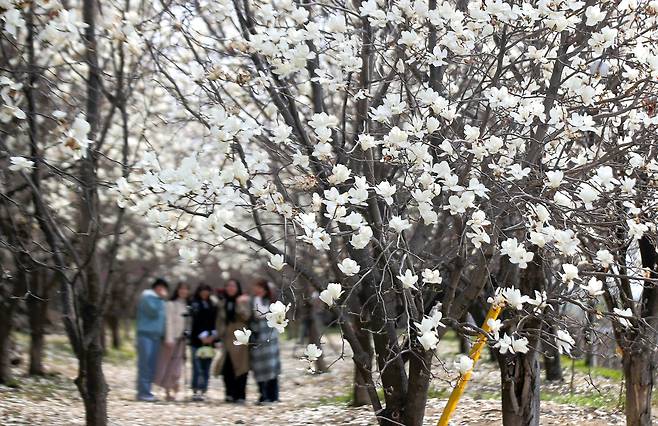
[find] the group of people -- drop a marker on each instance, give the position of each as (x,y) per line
(206,322)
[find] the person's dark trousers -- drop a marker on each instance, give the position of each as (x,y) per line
(147,356)
(200,371)
(269,390)
(236,386)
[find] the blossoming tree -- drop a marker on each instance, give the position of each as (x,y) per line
(432,154)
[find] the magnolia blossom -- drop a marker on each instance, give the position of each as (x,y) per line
(361,238)
(432,276)
(398,224)
(276,317)
(386,191)
(339,174)
(276,262)
(494,326)
(349,267)
(516,252)
(605,258)
(514,298)
(331,293)
(564,342)
(20,164)
(594,287)
(622,315)
(570,274)
(512,345)
(242,336)
(408,279)
(312,352)
(427,330)
(189,254)
(463,364)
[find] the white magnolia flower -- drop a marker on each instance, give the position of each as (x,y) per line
(463,364)
(189,254)
(428,340)
(276,262)
(361,238)
(564,342)
(386,191)
(494,326)
(276,317)
(509,344)
(516,252)
(594,287)
(242,336)
(554,178)
(408,279)
(331,293)
(570,273)
(312,352)
(432,276)
(398,224)
(339,174)
(20,164)
(622,316)
(349,267)
(514,298)
(605,258)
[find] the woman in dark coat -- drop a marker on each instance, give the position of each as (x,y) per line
(233,313)
(264,349)
(202,337)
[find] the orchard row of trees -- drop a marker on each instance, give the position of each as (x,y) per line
(413,162)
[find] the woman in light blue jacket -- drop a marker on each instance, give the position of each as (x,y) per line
(151,320)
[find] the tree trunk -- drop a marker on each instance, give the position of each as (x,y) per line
(360,395)
(91,384)
(639,368)
(520,378)
(115,330)
(420,364)
(553,365)
(5,337)
(37,311)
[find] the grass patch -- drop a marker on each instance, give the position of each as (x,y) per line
(581,367)
(123,354)
(591,400)
(344,399)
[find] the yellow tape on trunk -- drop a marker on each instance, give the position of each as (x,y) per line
(476,350)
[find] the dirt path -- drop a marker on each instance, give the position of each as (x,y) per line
(306,399)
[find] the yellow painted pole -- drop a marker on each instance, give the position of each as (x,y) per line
(476,350)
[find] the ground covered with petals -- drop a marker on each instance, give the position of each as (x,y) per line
(591,398)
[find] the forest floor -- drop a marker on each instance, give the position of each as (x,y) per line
(590,397)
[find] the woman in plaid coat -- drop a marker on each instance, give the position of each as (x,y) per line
(264,348)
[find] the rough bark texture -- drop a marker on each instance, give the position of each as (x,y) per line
(113,324)
(639,370)
(553,365)
(520,379)
(91,384)
(420,365)
(360,393)
(37,311)
(6,310)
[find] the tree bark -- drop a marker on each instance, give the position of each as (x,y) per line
(553,365)
(91,384)
(420,365)
(639,369)
(113,324)
(6,312)
(360,395)
(520,378)
(37,311)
